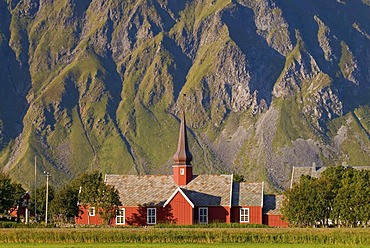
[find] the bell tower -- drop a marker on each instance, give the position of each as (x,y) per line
(182,169)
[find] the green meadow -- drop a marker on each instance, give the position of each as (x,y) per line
(169,245)
(184,237)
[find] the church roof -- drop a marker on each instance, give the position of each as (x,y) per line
(308,171)
(315,172)
(247,194)
(148,190)
(209,190)
(203,190)
(272,204)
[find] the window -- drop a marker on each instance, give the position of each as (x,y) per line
(91,211)
(203,215)
(120,217)
(151,218)
(244,215)
(182,171)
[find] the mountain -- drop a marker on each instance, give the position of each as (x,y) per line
(266,85)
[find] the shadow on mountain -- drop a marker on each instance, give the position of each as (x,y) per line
(70,97)
(263,63)
(80,7)
(15,82)
(177,6)
(339,18)
(180,68)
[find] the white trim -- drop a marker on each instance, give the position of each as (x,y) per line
(121,216)
(240,215)
(231,190)
(263,187)
(203,208)
(155,216)
(173,195)
(291,179)
(91,211)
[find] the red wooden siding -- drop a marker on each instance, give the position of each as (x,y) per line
(218,214)
(215,214)
(181,210)
(274,220)
(85,219)
(255,214)
(132,214)
(137,216)
(184,179)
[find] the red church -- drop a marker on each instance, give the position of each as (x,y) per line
(184,198)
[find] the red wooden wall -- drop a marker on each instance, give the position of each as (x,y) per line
(274,220)
(181,210)
(255,214)
(85,219)
(215,214)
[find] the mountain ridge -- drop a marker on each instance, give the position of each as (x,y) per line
(266,85)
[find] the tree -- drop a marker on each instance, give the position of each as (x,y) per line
(341,194)
(108,203)
(94,192)
(298,205)
(308,203)
(10,193)
(65,204)
(353,199)
(238,178)
(41,200)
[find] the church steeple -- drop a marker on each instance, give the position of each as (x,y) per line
(182,169)
(183,155)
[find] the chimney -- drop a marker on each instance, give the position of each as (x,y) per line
(314,167)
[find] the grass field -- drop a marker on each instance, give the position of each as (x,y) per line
(183,237)
(170,245)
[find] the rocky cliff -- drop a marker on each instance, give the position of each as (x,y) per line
(266,85)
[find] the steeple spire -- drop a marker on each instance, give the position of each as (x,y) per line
(182,169)
(183,155)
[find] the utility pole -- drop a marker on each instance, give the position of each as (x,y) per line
(35,190)
(47,197)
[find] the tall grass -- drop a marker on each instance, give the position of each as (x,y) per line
(191,235)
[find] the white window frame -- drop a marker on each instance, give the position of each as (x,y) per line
(121,216)
(91,211)
(203,215)
(244,215)
(182,171)
(151,216)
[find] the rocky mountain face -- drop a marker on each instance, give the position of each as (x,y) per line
(266,85)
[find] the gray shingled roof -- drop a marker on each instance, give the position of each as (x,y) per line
(315,172)
(203,190)
(209,190)
(247,194)
(148,190)
(308,170)
(272,204)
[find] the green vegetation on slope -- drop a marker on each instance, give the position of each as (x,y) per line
(353,135)
(101,84)
(291,123)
